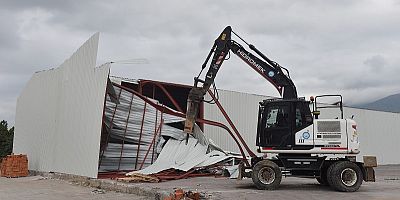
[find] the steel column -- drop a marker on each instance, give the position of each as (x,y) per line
(140,135)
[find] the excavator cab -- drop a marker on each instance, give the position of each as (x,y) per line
(279,120)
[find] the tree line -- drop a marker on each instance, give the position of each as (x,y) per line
(6,139)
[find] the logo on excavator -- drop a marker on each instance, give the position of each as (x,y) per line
(306,135)
(250,60)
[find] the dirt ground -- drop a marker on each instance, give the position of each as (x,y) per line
(39,188)
(387,187)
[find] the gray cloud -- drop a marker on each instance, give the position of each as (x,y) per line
(9,38)
(347,47)
(375,63)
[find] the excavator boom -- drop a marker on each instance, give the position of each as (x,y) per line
(267,68)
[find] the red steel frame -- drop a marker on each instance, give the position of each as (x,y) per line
(159,84)
(144,82)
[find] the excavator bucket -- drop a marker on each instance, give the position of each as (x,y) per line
(192,110)
(195,96)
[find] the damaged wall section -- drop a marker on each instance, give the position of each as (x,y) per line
(133,132)
(137,130)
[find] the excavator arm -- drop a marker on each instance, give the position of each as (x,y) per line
(267,68)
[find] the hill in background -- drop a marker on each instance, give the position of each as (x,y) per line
(389,104)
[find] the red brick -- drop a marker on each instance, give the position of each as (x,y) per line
(14,166)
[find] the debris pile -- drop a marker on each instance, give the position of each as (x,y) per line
(181,158)
(189,195)
(178,155)
(134,178)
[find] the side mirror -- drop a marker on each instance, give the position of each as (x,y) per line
(317,112)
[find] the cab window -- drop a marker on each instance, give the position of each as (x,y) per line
(303,117)
(277,116)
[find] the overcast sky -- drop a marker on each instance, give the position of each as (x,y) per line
(343,46)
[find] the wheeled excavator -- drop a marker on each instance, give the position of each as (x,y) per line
(302,144)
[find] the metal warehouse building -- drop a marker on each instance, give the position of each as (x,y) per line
(65,116)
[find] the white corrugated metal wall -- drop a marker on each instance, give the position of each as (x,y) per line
(59,115)
(378,130)
(242,108)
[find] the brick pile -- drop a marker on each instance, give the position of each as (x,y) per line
(13,166)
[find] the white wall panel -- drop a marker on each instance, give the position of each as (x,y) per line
(379,131)
(59,115)
(242,108)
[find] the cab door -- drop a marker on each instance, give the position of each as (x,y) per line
(277,126)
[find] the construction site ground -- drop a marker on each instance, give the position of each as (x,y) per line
(36,187)
(40,188)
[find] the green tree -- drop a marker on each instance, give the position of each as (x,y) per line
(6,139)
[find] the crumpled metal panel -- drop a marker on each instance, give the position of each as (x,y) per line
(178,155)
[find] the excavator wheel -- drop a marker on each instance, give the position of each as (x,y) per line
(345,176)
(266,175)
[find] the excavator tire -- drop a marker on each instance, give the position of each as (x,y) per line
(266,175)
(344,176)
